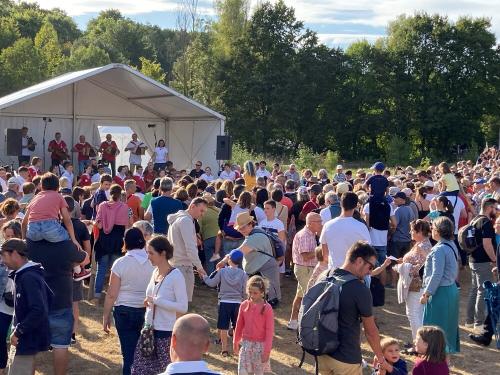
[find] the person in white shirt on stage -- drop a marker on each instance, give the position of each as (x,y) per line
(137,149)
(160,156)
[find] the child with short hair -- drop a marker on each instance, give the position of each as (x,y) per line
(231,282)
(430,344)
(318,269)
(41,221)
(254,330)
(394,364)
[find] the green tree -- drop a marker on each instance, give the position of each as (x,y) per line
(85,57)
(230,25)
(9,32)
(22,65)
(47,43)
(152,69)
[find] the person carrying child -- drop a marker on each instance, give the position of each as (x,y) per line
(394,364)
(430,344)
(448,184)
(253,336)
(231,282)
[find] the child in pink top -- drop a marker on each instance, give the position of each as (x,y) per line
(253,336)
(41,221)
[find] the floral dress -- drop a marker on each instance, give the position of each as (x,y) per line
(416,256)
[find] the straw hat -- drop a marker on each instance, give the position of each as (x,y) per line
(243,219)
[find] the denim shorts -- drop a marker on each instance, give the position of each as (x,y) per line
(48,230)
(61,327)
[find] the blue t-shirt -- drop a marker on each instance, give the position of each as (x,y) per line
(161,207)
(378,185)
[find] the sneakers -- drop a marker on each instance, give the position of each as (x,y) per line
(214,258)
(292,325)
(84,274)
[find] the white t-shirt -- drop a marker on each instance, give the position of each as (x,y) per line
(69,176)
(262,173)
(378,237)
(228,175)
(429,197)
(134,278)
(458,206)
(207,178)
(275,225)
(326,215)
(133,158)
(161,154)
(9,287)
(259,214)
(170,298)
(339,234)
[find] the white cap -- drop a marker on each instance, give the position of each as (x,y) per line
(393,190)
(407,191)
(339,166)
(429,183)
(13,180)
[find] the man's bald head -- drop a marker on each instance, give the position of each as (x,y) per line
(190,338)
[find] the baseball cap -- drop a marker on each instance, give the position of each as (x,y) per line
(393,190)
(429,183)
(236,256)
(316,188)
(14,180)
(476,181)
(407,191)
(378,166)
(400,194)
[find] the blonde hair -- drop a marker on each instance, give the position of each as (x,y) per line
(261,284)
(388,341)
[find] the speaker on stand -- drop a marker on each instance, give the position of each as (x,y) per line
(13,142)
(224,147)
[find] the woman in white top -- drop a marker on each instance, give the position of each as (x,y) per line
(208,176)
(160,156)
(166,296)
(129,278)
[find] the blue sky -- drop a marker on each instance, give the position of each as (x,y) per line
(337,23)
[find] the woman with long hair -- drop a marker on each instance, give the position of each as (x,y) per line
(249,175)
(422,203)
(160,156)
(112,219)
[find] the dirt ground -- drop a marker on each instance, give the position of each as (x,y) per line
(99,353)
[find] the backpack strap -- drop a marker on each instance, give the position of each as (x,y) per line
(452,250)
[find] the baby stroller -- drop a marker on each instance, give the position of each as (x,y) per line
(492,298)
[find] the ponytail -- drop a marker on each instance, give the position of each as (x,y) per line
(447,204)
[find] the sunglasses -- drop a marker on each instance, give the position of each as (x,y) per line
(372,266)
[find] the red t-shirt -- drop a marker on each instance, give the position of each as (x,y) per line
(85,180)
(140,183)
(107,150)
(309,207)
(80,147)
(287,202)
(148,178)
(134,204)
(33,171)
(118,180)
(53,145)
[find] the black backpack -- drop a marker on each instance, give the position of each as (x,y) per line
(277,245)
(380,212)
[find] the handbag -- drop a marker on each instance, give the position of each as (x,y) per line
(146,339)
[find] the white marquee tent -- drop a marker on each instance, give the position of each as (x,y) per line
(113,95)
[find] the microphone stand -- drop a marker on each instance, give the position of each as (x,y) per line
(46,121)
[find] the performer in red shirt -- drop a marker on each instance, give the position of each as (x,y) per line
(148,176)
(109,151)
(58,150)
(35,169)
(85,179)
(84,150)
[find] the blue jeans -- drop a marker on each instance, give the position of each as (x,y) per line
(5,321)
(82,164)
(228,245)
(61,327)
(381,254)
(103,266)
(209,247)
(48,230)
(128,323)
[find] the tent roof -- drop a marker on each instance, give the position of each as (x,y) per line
(128,84)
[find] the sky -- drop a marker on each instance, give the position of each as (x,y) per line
(337,23)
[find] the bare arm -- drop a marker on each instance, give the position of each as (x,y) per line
(111,296)
(24,224)
(488,248)
(372,336)
(324,247)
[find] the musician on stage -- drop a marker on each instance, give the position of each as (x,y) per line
(27,147)
(109,151)
(84,150)
(58,150)
(136,148)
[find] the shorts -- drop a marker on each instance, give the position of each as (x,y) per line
(61,327)
(48,230)
(228,315)
(77,291)
(302,274)
(329,365)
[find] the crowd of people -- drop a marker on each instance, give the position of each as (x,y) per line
(156,233)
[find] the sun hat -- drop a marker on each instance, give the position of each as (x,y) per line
(243,219)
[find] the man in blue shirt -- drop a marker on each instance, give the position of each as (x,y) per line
(162,206)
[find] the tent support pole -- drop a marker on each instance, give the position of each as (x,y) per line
(73,127)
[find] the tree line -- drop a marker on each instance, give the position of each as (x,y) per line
(431,86)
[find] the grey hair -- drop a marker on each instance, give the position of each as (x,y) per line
(166,184)
(144,226)
(445,227)
(331,197)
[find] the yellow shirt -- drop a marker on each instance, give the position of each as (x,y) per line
(451,182)
(250,182)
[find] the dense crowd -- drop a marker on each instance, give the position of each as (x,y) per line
(156,232)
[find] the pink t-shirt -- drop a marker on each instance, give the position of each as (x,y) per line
(46,205)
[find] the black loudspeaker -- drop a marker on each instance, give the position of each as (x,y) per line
(13,141)
(224,147)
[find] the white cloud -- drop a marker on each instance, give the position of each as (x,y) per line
(346,39)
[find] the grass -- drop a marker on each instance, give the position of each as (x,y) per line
(99,353)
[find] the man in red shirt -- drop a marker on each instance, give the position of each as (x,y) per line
(139,180)
(83,148)
(121,176)
(314,191)
(109,151)
(133,201)
(58,150)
